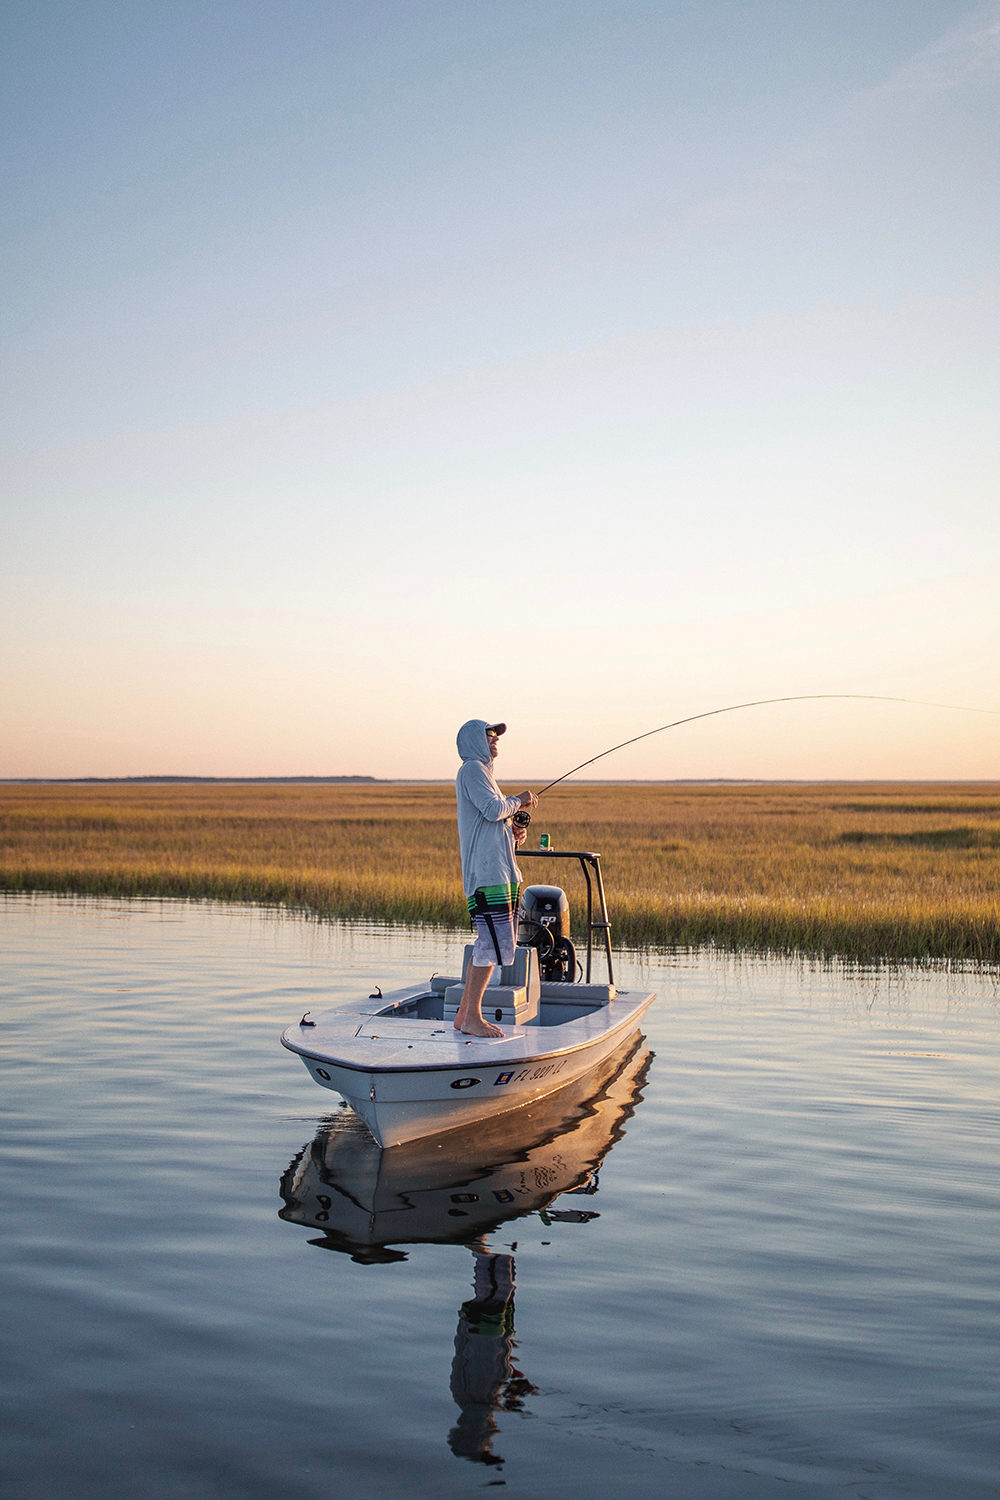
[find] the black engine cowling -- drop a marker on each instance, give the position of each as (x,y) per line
(543,923)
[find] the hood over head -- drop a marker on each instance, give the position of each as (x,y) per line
(472,742)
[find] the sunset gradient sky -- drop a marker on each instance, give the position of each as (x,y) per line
(372,367)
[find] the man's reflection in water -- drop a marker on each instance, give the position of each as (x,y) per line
(484,1378)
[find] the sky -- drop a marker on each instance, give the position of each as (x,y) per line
(373,367)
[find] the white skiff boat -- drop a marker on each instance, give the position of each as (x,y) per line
(403,1068)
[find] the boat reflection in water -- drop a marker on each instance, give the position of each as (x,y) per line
(457,1188)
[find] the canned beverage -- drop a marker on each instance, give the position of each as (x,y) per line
(543,842)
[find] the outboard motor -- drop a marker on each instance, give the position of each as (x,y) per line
(543,923)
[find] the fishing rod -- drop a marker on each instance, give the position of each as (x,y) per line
(759,703)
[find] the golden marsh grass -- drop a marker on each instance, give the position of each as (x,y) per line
(860,871)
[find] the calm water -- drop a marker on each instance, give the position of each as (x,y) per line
(761,1259)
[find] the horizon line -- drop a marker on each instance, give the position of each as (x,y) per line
(193,780)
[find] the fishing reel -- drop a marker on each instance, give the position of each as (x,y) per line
(543,924)
(521,818)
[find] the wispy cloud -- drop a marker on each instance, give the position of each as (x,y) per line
(969,50)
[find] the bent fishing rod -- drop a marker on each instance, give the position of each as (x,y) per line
(760,703)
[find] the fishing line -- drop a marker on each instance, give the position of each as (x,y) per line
(759,703)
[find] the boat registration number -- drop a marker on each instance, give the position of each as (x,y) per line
(529,1075)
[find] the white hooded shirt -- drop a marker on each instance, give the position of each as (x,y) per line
(484,813)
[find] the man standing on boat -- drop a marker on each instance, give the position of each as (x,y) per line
(490,876)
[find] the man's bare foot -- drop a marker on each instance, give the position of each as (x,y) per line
(473,1027)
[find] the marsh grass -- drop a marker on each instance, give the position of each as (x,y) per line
(882,873)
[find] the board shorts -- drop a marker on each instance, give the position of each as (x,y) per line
(493,912)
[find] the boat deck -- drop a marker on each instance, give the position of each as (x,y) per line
(407,1029)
